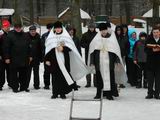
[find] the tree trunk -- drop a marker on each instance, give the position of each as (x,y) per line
(127,9)
(156,8)
(16,16)
(3,3)
(75,15)
(31,11)
(38,8)
(57,7)
(120,12)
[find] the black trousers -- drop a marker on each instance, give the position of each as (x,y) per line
(88,78)
(4,71)
(46,75)
(140,69)
(131,72)
(153,77)
(18,77)
(36,79)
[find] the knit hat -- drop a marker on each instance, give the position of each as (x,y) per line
(91,25)
(142,34)
(5,23)
(33,27)
(58,24)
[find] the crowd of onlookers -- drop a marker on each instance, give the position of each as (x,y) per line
(22,52)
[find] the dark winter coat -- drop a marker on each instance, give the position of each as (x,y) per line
(36,48)
(153,58)
(139,53)
(17,48)
(51,56)
(123,43)
(2,38)
(86,40)
(77,44)
(43,39)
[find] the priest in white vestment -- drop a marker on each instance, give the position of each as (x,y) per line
(64,61)
(103,52)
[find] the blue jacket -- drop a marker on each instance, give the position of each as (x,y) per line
(131,43)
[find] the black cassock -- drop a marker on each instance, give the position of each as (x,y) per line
(95,60)
(59,83)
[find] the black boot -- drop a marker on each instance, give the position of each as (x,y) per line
(145,84)
(156,95)
(109,95)
(98,94)
(88,84)
(88,78)
(94,80)
(54,96)
(149,96)
(139,83)
(63,96)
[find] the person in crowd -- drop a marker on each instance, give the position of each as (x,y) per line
(103,53)
(125,32)
(131,67)
(85,42)
(120,77)
(17,55)
(47,74)
(153,65)
(72,32)
(36,50)
(64,61)
(140,60)
(125,37)
(4,68)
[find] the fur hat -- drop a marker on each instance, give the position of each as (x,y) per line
(58,24)
(104,26)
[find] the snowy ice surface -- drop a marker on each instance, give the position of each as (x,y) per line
(37,105)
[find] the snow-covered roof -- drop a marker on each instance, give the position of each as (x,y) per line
(139,20)
(84,15)
(150,13)
(5,11)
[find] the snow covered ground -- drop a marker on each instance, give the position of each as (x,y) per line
(37,105)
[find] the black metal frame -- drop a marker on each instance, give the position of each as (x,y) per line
(76,99)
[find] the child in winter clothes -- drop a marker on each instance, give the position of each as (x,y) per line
(140,60)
